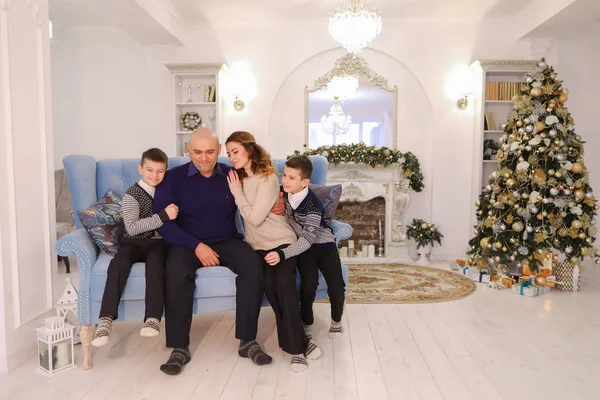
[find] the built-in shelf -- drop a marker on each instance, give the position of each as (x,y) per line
(490,161)
(499,101)
(198,83)
(493,131)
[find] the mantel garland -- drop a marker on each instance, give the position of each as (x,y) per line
(374,156)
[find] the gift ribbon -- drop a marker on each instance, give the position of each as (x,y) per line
(464,269)
(529,283)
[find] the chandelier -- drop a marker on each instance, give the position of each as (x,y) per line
(342,86)
(354,27)
(336,123)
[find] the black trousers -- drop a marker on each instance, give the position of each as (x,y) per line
(282,293)
(151,251)
(328,261)
(181,265)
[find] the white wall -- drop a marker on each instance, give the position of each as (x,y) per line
(27,197)
(112,96)
(577,67)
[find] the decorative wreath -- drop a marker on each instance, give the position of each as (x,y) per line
(190,121)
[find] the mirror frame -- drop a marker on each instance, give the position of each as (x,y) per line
(352,65)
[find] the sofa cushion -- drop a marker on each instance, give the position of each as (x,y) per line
(103,222)
(329,196)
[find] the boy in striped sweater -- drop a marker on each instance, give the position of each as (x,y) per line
(140,243)
(316,246)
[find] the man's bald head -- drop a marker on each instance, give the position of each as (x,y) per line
(204,150)
(204,134)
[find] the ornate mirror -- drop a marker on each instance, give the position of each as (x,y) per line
(350,104)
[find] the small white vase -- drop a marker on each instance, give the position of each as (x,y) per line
(423,253)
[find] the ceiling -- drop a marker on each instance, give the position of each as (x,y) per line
(198,12)
(157,22)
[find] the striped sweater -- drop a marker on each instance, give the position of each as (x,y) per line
(139,221)
(308,222)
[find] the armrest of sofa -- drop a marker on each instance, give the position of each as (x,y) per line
(80,244)
(341,230)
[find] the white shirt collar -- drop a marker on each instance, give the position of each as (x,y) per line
(296,199)
(149,189)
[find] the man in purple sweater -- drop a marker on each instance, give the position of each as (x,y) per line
(205,235)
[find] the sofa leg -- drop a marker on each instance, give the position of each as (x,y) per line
(86,343)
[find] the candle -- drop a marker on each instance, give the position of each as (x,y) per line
(371,251)
(351,244)
(380,229)
(364,250)
(359,254)
(344,252)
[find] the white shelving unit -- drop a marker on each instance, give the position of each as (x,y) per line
(493,99)
(195,89)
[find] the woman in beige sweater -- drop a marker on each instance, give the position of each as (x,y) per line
(254,185)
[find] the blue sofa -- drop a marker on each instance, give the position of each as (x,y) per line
(215,287)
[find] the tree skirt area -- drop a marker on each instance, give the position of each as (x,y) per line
(402,283)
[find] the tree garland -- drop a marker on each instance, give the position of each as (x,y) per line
(374,156)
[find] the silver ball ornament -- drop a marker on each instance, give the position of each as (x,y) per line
(528,148)
(552,133)
(529,128)
(588,195)
(529,229)
(553,191)
(567,192)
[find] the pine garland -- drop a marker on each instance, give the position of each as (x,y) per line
(423,233)
(374,156)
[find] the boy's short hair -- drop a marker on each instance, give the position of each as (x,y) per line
(301,163)
(156,155)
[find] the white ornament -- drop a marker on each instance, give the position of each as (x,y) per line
(552,133)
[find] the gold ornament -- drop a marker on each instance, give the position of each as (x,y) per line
(576,224)
(511,182)
(585,251)
(563,98)
(540,280)
(579,194)
(577,167)
(484,242)
(498,245)
(519,123)
(536,92)
(517,226)
(539,126)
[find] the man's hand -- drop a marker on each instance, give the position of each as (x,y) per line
(172,210)
(207,256)
(272,258)
(233,180)
(279,207)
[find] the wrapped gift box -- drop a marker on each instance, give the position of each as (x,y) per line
(526,289)
(568,278)
(505,280)
(479,275)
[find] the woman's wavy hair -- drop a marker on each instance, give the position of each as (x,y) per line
(261,159)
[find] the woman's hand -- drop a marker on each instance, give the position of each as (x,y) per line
(272,258)
(233,180)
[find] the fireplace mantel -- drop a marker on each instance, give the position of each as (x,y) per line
(361,182)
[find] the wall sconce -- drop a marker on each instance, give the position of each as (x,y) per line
(238,104)
(463,101)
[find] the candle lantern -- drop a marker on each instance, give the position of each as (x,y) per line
(55,346)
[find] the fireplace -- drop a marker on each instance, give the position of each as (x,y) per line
(368,196)
(364,218)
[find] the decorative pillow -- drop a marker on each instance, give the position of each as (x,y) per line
(329,196)
(104,222)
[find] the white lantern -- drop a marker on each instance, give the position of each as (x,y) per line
(55,346)
(68,301)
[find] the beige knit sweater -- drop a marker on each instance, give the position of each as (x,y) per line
(264,230)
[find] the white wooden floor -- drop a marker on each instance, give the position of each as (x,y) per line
(491,345)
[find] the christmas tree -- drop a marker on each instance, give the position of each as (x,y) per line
(539,201)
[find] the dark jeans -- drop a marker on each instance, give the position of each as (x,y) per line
(282,293)
(328,261)
(181,265)
(151,251)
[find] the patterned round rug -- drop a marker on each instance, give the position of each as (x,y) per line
(401,283)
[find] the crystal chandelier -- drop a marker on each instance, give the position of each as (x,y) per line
(336,123)
(354,27)
(342,86)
